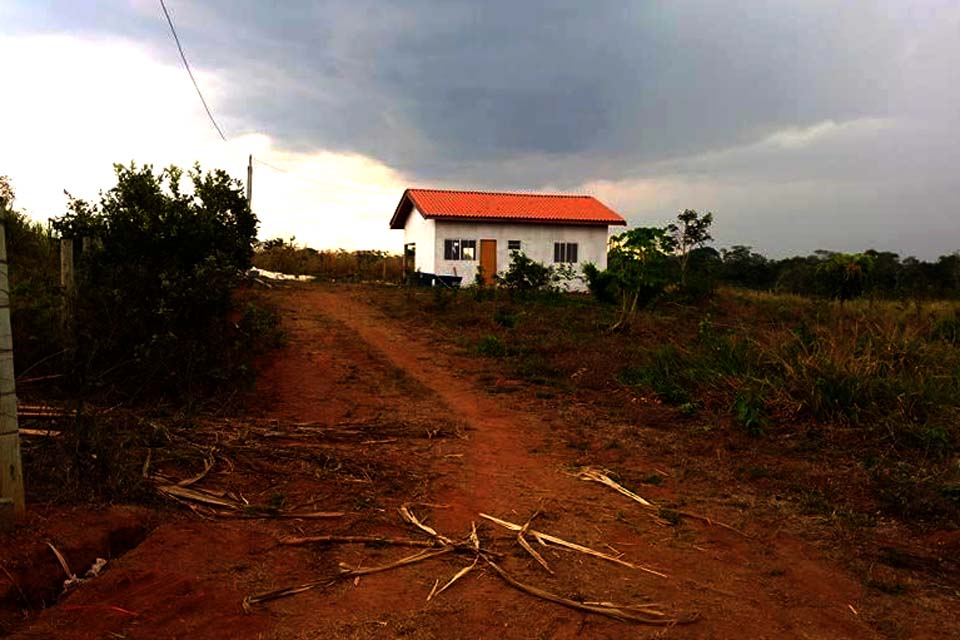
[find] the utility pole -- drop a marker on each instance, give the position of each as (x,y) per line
(250,181)
(12,505)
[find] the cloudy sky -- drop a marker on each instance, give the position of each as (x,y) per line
(801,124)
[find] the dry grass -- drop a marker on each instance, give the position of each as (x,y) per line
(874,382)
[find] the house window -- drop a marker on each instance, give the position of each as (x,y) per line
(513,245)
(451,249)
(459,249)
(565,252)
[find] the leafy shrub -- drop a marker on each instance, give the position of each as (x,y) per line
(664,374)
(155,285)
(750,412)
(525,274)
(602,284)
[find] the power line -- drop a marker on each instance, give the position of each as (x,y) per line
(190,72)
(267,164)
(186,64)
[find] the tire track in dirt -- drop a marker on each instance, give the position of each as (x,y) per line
(501,475)
(499,472)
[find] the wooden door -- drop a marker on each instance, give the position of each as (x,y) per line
(488,260)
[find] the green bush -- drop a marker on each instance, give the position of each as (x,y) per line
(155,285)
(602,284)
(525,274)
(750,412)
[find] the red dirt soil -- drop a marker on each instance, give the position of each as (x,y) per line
(346,363)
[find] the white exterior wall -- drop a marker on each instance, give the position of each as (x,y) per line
(536,242)
(423,233)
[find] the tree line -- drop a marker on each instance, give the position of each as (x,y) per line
(881,274)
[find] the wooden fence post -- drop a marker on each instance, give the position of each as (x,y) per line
(67,286)
(12,505)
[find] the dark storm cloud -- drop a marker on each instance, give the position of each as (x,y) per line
(437,89)
(511,94)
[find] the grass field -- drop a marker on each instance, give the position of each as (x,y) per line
(866,396)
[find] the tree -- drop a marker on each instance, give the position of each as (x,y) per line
(692,232)
(845,275)
(743,267)
(640,263)
(886,272)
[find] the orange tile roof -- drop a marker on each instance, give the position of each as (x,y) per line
(479,206)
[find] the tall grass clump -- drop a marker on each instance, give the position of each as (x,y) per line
(874,379)
(877,368)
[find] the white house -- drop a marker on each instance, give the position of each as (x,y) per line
(461,233)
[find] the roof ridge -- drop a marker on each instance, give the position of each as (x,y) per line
(505,193)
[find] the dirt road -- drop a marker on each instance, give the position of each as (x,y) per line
(423,431)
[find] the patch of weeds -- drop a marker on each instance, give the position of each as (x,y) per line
(257,510)
(260,325)
(363,503)
(443,297)
(756,473)
(933,439)
(672,517)
(536,369)
(889,588)
(688,408)
(653,478)
(909,492)
(613,444)
(836,394)
(777,572)
(505,318)
(545,395)
(276,500)
(98,457)
(750,412)
(948,329)
(491,346)
(704,428)
(813,502)
(663,375)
